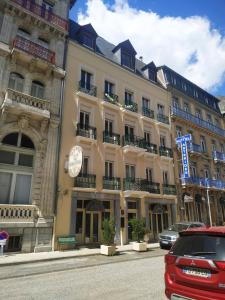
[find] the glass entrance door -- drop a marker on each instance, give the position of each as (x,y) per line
(92,227)
(130,217)
(157,225)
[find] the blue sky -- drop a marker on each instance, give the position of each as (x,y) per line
(189,36)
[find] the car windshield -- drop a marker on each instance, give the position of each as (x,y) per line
(178,227)
(201,245)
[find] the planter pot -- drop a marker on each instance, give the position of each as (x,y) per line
(108,250)
(140,247)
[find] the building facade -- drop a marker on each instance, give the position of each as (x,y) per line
(32,44)
(196,112)
(117,111)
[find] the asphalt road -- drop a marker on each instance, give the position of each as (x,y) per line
(127,276)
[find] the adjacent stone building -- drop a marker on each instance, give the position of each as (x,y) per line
(118,112)
(32,45)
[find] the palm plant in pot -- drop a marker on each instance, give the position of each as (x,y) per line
(108,247)
(138,233)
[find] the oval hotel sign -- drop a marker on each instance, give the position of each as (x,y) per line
(75,161)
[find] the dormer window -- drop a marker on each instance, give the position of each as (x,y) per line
(88,41)
(87,36)
(125,54)
(127,60)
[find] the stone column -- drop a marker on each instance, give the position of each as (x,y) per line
(117,220)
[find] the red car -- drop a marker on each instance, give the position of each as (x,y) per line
(195,265)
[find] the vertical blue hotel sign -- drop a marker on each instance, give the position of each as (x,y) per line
(182,141)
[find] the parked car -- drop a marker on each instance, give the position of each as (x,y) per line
(195,265)
(168,237)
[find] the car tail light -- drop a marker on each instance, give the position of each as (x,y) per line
(170,259)
(220,265)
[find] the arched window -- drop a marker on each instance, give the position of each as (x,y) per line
(16,82)
(37,89)
(16,169)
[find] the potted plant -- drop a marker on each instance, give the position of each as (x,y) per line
(108,247)
(138,233)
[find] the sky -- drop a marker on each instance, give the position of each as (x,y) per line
(188,36)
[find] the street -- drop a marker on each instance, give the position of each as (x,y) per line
(127,276)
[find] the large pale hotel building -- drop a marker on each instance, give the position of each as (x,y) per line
(116,109)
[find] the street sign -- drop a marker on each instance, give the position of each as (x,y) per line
(2,242)
(182,141)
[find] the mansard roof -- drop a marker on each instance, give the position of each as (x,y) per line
(151,65)
(88,28)
(126,45)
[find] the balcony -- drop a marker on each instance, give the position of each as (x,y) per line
(169,189)
(111,98)
(139,184)
(163,119)
(164,151)
(111,138)
(133,140)
(148,112)
(34,49)
(10,213)
(85,181)
(175,111)
(17,103)
(86,131)
(204,182)
(88,89)
(151,148)
(111,183)
(131,106)
(218,156)
(195,148)
(43,13)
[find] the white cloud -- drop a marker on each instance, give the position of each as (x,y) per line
(188,45)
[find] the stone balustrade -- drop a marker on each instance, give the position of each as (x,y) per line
(11,212)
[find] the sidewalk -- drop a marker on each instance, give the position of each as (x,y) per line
(23,258)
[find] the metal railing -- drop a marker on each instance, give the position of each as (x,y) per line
(196,120)
(148,112)
(34,49)
(151,148)
(111,137)
(195,148)
(139,184)
(218,156)
(42,12)
(111,183)
(87,88)
(85,181)
(27,99)
(133,140)
(86,131)
(132,106)
(169,189)
(163,119)
(164,151)
(111,98)
(204,182)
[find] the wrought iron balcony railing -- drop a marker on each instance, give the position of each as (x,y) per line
(111,98)
(151,148)
(42,12)
(195,148)
(176,111)
(111,137)
(218,156)
(111,183)
(133,140)
(139,184)
(169,189)
(34,49)
(85,181)
(164,151)
(204,182)
(163,119)
(87,88)
(132,106)
(147,112)
(86,131)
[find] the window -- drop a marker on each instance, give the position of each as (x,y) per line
(47,5)
(178,131)
(206,172)
(213,145)
(165,177)
(186,107)
(160,109)
(198,113)
(130,172)
(109,88)
(162,141)
(79,222)
(108,169)
(84,120)
(109,127)
(127,60)
(176,102)
(128,97)
(129,131)
(84,168)
(147,137)
(37,89)
(217,173)
(194,170)
(43,42)
(149,174)
(217,123)
(23,33)
(88,40)
(1,20)
(86,79)
(15,182)
(145,103)
(209,118)
(203,143)
(222,148)
(16,82)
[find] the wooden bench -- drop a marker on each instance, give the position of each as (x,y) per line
(66,240)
